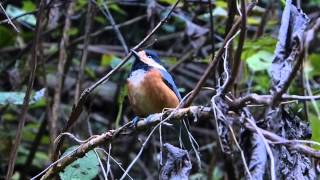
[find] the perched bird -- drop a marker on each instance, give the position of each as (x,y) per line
(151,89)
(150,86)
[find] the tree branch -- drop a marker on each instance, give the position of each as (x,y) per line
(77,109)
(22,116)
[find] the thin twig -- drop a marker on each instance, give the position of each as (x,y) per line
(114,160)
(241,152)
(22,116)
(202,113)
(115,28)
(211,27)
(9,19)
(215,59)
(107,28)
(84,56)
(237,58)
(78,107)
(269,151)
(64,42)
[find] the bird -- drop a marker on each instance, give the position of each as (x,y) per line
(151,88)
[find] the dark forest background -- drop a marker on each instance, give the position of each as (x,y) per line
(51,51)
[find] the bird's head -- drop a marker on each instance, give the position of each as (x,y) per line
(147,59)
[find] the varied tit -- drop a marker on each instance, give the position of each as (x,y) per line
(150,86)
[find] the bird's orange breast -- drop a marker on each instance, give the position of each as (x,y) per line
(148,93)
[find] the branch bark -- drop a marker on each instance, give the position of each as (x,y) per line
(77,109)
(22,116)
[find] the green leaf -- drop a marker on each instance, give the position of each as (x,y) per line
(261,82)
(260,61)
(170,60)
(83,168)
(7,36)
(28,6)
(218,12)
(121,98)
(39,104)
(13,11)
(73,31)
(314,65)
(169,28)
(217,174)
(90,72)
(315,126)
(17,97)
(101,20)
(253,21)
(9,117)
(171,2)
(222,4)
(109,60)
(198,176)
(251,47)
(116,8)
(80,4)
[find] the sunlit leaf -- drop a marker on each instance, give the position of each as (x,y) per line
(28,6)
(222,4)
(170,60)
(13,11)
(109,60)
(260,61)
(217,174)
(197,176)
(315,125)
(17,97)
(251,47)
(86,167)
(90,72)
(168,1)
(314,60)
(116,8)
(80,4)
(253,21)
(169,28)
(218,12)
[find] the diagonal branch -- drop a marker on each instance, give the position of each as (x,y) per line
(215,59)
(237,58)
(22,116)
(64,43)
(199,112)
(77,109)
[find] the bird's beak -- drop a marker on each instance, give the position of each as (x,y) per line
(141,56)
(135,54)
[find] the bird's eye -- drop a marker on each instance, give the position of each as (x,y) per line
(150,57)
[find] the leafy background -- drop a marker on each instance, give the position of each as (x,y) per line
(108,107)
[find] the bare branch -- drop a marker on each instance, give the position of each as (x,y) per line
(22,116)
(77,109)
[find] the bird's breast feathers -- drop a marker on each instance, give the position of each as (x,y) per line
(148,93)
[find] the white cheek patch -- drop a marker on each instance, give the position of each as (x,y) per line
(156,65)
(143,57)
(137,77)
